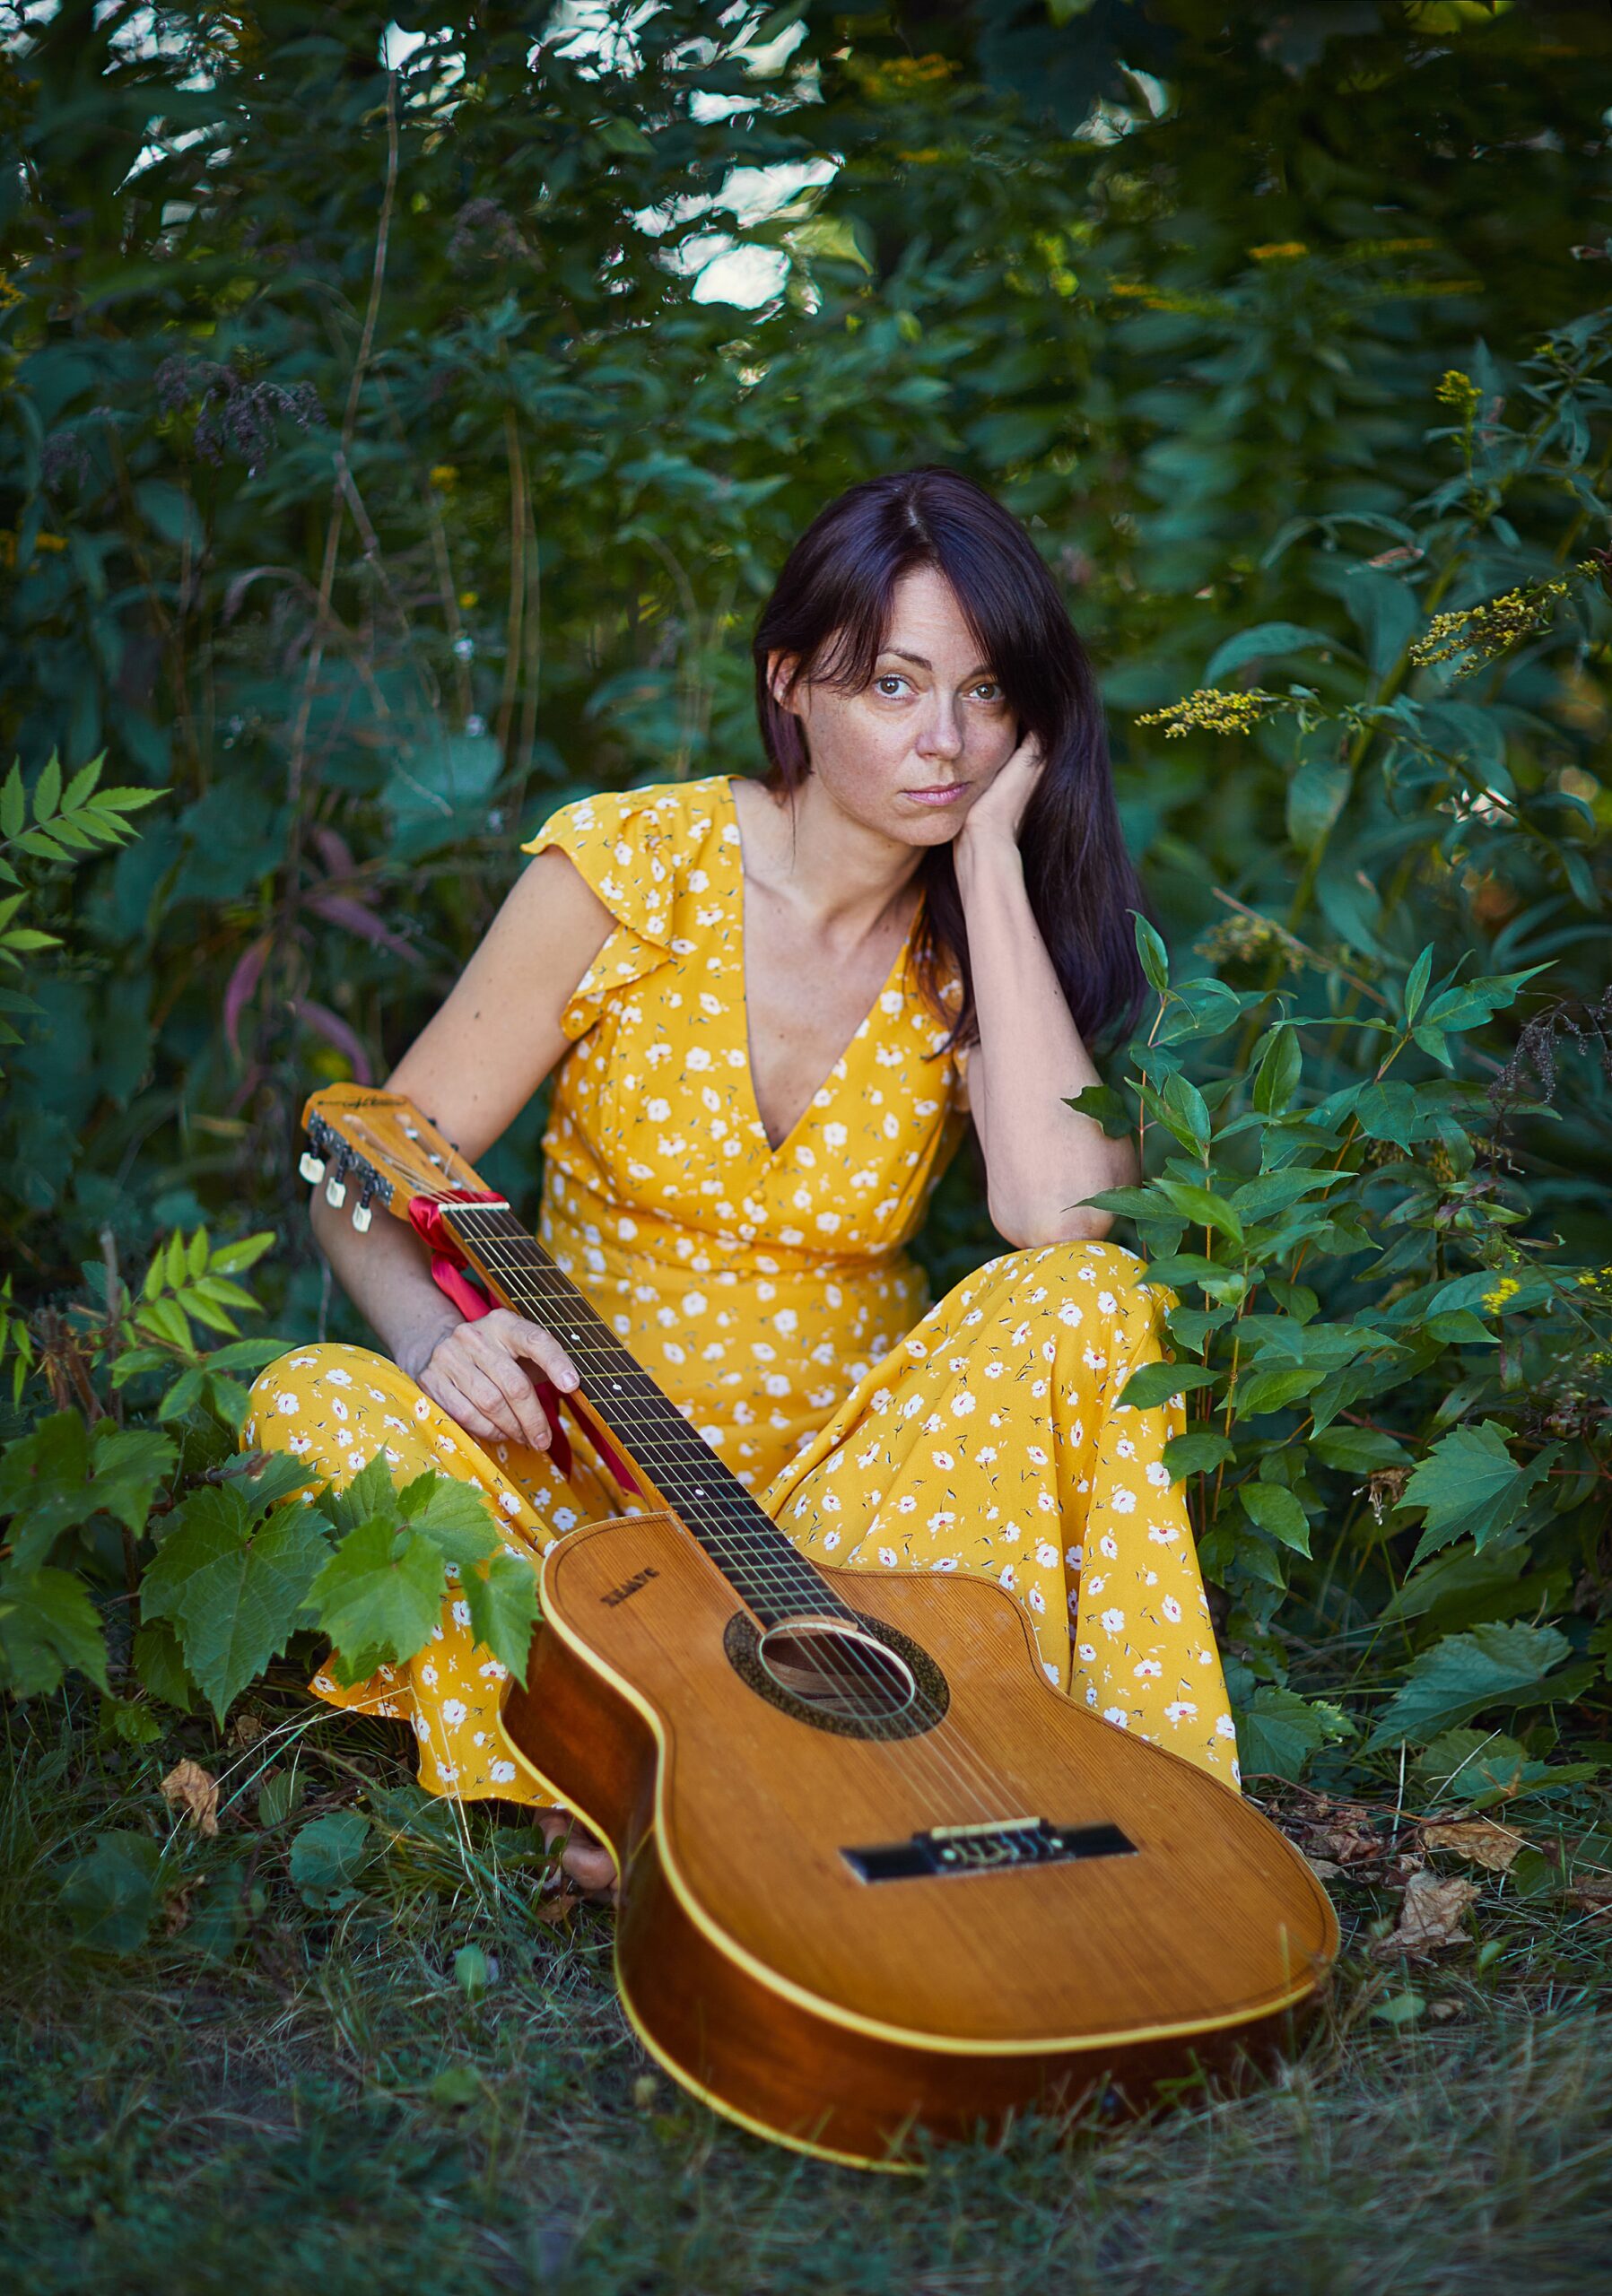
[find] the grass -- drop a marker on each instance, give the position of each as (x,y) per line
(275,2097)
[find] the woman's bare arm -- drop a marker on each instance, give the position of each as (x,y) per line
(472,1069)
(1040,1158)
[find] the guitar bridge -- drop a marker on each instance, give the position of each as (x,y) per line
(990,1848)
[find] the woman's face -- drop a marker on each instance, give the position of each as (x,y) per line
(910,754)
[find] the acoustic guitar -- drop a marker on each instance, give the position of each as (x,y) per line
(879,1878)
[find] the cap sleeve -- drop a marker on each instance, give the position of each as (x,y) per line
(623,844)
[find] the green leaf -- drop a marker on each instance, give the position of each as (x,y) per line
(110,1895)
(48,1625)
(1105,1107)
(1276,1078)
(1416,988)
(471,1971)
(1272,1508)
(1182,1097)
(1154,956)
(48,789)
(13,803)
(1470,1486)
(1265,639)
(378,1596)
(504,1610)
(1274,1390)
(1316,796)
(1359,1451)
(1156,1383)
(1197,1453)
(62,1474)
(160,1664)
(1277,1731)
(1201,1205)
(326,1858)
(233,1585)
(1492,1666)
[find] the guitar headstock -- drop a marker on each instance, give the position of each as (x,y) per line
(380,1143)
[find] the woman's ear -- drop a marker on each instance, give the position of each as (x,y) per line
(780,669)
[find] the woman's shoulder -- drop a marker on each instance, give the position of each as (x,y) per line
(660,814)
(642,850)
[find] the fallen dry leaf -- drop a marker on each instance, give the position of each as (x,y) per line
(1429,1916)
(190,1787)
(1478,1839)
(1592,1893)
(1323,1868)
(1349,1844)
(246,1730)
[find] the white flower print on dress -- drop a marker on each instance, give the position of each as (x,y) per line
(1113,1622)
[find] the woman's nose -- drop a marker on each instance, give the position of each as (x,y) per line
(942,735)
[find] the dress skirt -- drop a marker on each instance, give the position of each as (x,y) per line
(990,1440)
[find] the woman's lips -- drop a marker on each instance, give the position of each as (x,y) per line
(938,796)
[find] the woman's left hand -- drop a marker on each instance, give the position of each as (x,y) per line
(996,815)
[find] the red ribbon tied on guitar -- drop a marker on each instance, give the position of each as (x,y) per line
(451,1276)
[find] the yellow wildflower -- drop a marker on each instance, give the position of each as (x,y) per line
(1506,1289)
(468,598)
(445,476)
(1459,391)
(1213,711)
(1475,635)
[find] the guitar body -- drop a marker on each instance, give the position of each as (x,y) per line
(951,1973)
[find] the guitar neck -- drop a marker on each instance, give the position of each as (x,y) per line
(768,1574)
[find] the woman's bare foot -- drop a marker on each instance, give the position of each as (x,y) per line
(584,1859)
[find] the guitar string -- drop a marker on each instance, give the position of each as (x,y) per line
(724,1542)
(943,1744)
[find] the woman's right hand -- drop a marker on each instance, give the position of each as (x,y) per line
(482,1372)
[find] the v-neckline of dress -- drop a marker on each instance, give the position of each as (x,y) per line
(897,968)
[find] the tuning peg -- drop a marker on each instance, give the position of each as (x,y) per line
(335,1186)
(311,1167)
(362,1213)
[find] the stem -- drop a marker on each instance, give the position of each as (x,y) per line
(518,588)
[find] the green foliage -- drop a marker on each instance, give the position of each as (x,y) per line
(110,1895)
(328,1857)
(375,481)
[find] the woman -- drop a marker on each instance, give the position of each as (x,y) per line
(773,1006)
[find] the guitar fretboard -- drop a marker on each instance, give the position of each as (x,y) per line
(769,1576)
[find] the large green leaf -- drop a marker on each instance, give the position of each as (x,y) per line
(378,1596)
(1470,1486)
(233,1585)
(1492,1666)
(503,1609)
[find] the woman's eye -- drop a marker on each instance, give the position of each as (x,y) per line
(889,679)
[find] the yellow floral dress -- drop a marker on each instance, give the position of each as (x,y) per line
(770,1294)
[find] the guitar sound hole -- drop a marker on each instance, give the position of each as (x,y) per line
(836,1671)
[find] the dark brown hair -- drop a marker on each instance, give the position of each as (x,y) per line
(830,607)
